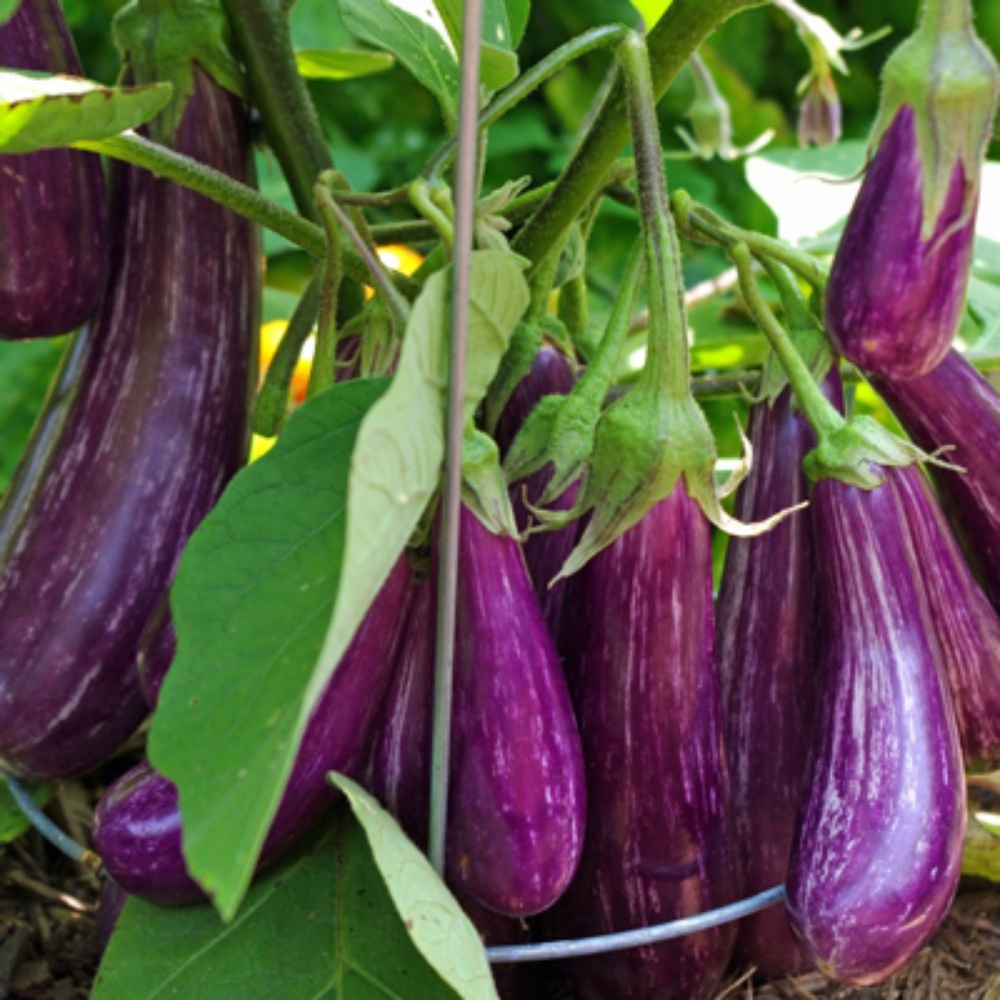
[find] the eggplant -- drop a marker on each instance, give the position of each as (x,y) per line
(517,796)
(878,843)
(659,843)
(157,427)
(954,406)
(545,552)
(137,824)
(54,240)
(765,631)
(157,646)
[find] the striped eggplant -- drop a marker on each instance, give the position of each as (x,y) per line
(658,844)
(544,552)
(955,406)
(765,633)
(53,210)
(517,799)
(878,843)
(157,646)
(155,430)
(137,825)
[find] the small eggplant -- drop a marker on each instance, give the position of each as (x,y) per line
(953,406)
(137,825)
(518,799)
(157,427)
(877,850)
(53,211)
(658,844)
(765,633)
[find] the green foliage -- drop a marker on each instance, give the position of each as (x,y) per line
(340,64)
(38,111)
(13,822)
(7,8)
(322,925)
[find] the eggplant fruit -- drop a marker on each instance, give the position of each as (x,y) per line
(137,825)
(157,647)
(517,797)
(157,427)
(53,205)
(658,844)
(877,849)
(765,632)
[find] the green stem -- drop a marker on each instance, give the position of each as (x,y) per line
(668,365)
(678,34)
(272,400)
(422,197)
(819,411)
(324,360)
(940,16)
(280,95)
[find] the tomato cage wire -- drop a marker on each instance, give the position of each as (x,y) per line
(545,951)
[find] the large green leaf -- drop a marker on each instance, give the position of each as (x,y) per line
(419,40)
(498,64)
(252,602)
(38,111)
(400,448)
(340,64)
(442,933)
(322,925)
(7,8)
(13,822)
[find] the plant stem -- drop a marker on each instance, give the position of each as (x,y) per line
(678,34)
(280,95)
(324,360)
(819,411)
(939,16)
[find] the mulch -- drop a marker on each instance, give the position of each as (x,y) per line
(48,932)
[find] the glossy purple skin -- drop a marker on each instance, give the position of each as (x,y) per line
(766,631)
(517,795)
(53,210)
(894,301)
(956,406)
(157,646)
(877,849)
(157,428)
(544,552)
(137,825)
(658,844)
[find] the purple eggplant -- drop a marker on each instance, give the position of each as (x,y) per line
(544,552)
(658,844)
(156,429)
(955,406)
(766,640)
(157,646)
(878,843)
(53,211)
(137,825)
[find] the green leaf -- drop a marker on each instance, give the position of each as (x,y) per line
(421,43)
(39,111)
(322,925)
(252,602)
(401,446)
(981,853)
(518,12)
(442,933)
(498,65)
(13,822)
(341,64)
(7,8)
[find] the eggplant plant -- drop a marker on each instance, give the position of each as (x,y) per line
(439,679)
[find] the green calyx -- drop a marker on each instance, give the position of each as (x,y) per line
(951,80)
(162,39)
(484,489)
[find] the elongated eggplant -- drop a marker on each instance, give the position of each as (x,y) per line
(517,800)
(157,646)
(877,848)
(954,406)
(53,211)
(156,429)
(765,632)
(137,825)
(659,838)
(544,552)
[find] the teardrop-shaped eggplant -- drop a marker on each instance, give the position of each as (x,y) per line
(877,849)
(137,825)
(766,632)
(517,799)
(53,211)
(659,838)
(153,434)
